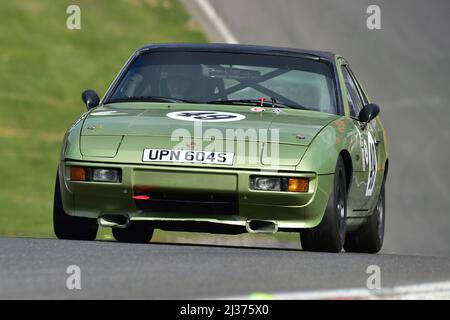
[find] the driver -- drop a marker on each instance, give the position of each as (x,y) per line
(178,85)
(182,80)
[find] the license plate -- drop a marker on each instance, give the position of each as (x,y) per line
(191,156)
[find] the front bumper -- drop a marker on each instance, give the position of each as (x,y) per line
(178,191)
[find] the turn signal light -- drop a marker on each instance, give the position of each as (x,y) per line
(298,184)
(78,173)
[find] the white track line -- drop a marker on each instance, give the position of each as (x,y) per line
(426,291)
(217,22)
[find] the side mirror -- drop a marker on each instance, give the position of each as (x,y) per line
(90,98)
(368,113)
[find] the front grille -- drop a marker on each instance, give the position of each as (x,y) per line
(169,202)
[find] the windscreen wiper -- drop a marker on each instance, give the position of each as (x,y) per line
(259,102)
(151,99)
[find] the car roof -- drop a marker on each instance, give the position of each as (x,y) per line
(241,48)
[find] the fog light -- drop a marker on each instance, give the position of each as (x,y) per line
(267,183)
(106,175)
(298,184)
(78,173)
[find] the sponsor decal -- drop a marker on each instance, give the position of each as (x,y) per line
(257,109)
(206,116)
(277,110)
(95,126)
(205,157)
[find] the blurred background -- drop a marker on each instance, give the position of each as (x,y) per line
(404,66)
(44,67)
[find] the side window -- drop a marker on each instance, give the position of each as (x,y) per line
(358,84)
(354,100)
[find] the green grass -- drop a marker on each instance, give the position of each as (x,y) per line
(43,69)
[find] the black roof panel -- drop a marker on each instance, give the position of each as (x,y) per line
(239,48)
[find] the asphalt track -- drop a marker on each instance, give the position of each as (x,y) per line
(36,268)
(404,67)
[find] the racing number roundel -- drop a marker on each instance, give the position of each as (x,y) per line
(206,116)
(372,164)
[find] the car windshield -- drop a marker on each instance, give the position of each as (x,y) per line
(235,78)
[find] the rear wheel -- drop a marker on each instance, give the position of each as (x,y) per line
(369,237)
(135,232)
(69,227)
(329,235)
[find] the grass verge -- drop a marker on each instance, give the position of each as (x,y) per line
(43,69)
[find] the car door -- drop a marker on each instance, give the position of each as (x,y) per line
(376,152)
(365,175)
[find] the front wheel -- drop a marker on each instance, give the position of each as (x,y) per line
(329,235)
(69,227)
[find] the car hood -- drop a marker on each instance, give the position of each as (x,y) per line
(284,126)
(120,133)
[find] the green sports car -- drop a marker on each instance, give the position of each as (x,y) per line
(227,139)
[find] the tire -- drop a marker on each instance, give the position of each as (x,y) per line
(135,232)
(329,235)
(369,237)
(69,227)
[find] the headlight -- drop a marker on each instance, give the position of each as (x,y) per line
(105,175)
(266,183)
(279,184)
(95,174)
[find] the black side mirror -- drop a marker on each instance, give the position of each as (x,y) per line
(90,98)
(369,112)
